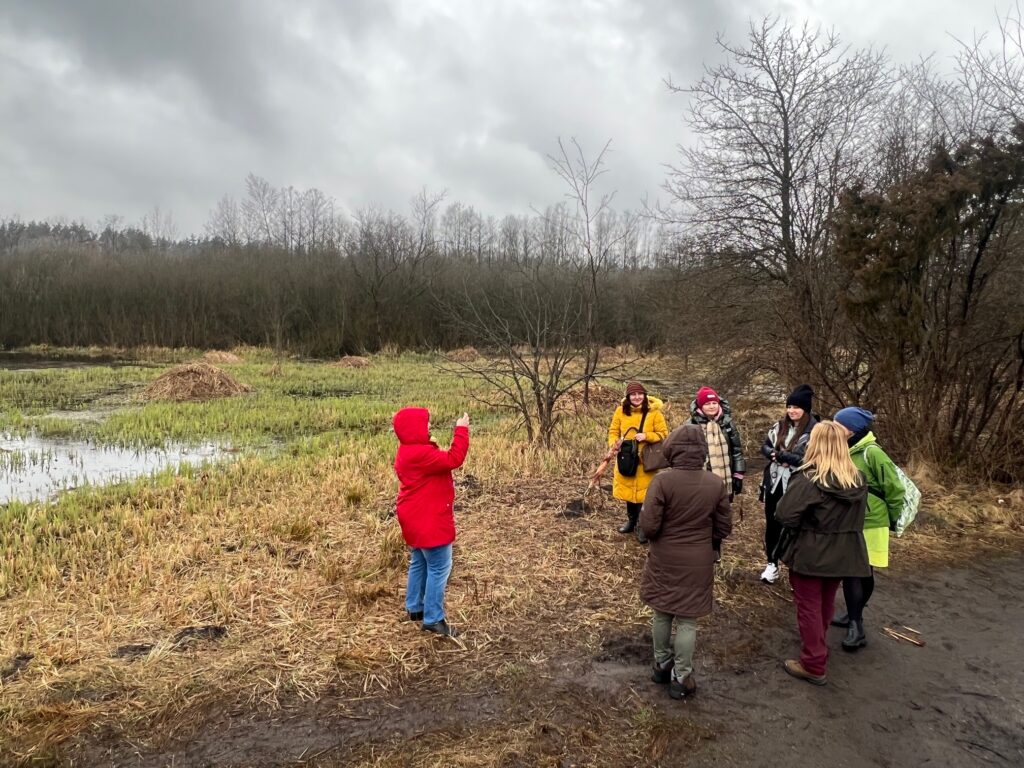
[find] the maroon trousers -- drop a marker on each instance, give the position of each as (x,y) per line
(815,599)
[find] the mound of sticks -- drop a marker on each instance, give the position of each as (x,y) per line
(352,361)
(221,358)
(463,355)
(194,381)
(601,398)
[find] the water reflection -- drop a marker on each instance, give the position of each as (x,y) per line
(39,468)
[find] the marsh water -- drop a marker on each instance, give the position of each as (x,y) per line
(39,468)
(36,468)
(27,361)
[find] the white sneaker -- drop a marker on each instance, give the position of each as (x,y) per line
(770,573)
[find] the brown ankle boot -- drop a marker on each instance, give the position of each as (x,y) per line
(796,669)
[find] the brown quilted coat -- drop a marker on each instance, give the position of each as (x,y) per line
(686,506)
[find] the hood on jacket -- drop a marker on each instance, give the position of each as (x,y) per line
(698,414)
(411,426)
(686,447)
(861,445)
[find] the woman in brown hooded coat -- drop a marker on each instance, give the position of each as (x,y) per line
(686,507)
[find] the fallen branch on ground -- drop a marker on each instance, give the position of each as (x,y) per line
(898,636)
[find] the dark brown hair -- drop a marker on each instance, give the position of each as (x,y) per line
(627,407)
(801,427)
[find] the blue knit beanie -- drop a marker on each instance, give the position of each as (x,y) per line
(854,419)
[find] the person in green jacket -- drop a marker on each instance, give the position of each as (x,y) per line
(885,500)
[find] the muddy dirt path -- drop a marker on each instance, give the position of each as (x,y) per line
(957,701)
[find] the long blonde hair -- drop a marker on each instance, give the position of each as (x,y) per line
(827,459)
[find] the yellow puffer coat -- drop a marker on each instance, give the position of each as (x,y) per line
(635,488)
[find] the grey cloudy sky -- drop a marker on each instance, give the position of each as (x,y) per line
(112,107)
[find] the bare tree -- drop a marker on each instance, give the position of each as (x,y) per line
(388,254)
(933,263)
(992,77)
(595,233)
(160,226)
(781,129)
(533,331)
(225,222)
(260,211)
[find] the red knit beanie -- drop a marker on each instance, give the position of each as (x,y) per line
(706,395)
(635,387)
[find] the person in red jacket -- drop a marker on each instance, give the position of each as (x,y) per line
(426,493)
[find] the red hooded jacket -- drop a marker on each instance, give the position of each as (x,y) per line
(426,490)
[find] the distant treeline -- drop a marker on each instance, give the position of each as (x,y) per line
(382,280)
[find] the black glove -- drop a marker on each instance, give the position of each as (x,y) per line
(737,485)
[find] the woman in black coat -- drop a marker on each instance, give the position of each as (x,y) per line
(784,449)
(823,512)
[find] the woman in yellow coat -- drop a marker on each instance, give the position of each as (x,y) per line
(636,409)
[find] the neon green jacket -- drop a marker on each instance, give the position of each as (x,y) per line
(885,491)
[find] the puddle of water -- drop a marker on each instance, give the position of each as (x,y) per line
(39,468)
(23,361)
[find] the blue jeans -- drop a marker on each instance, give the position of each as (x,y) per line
(428,576)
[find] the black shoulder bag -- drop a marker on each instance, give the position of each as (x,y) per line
(627,460)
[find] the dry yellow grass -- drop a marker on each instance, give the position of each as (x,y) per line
(602,400)
(302,564)
(221,358)
(352,361)
(309,588)
(463,355)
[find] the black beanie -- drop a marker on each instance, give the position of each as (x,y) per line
(801,397)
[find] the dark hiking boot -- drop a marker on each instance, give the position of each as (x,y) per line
(855,637)
(662,673)
(640,536)
(796,669)
(628,527)
(682,690)
(415,615)
(441,628)
(841,620)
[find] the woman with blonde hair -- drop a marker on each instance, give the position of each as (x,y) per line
(823,513)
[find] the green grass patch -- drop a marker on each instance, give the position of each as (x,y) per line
(291,401)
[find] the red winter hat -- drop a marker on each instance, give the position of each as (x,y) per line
(706,395)
(635,387)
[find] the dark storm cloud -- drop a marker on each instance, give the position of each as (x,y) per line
(231,51)
(112,107)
